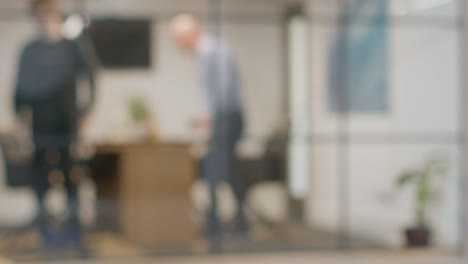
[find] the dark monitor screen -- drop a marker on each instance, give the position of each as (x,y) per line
(122,43)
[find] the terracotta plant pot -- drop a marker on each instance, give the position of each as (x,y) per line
(418,237)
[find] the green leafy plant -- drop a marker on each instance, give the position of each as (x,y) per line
(425,190)
(138,109)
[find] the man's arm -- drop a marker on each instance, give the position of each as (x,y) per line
(88,66)
(209,84)
(220,84)
(225,80)
(18,102)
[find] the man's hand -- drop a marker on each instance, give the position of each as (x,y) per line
(203,125)
(22,130)
(23,124)
(83,123)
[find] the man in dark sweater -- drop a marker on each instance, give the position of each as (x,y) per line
(47,88)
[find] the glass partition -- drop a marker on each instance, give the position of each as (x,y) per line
(171,128)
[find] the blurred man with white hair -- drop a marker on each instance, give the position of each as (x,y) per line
(224,119)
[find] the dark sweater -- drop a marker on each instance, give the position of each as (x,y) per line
(47,76)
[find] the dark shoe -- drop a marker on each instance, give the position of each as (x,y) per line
(241,227)
(50,238)
(216,244)
(71,239)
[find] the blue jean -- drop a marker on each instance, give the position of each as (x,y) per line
(71,233)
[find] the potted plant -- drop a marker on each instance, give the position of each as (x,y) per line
(141,119)
(423,180)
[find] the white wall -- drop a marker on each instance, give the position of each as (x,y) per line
(424,90)
(173,82)
(171,85)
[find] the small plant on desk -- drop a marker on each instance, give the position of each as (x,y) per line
(140,115)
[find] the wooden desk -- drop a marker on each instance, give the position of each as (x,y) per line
(151,188)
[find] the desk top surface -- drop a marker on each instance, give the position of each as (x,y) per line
(123,147)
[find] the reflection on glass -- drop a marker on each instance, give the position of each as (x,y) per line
(276,131)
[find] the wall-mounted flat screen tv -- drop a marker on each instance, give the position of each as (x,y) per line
(122,43)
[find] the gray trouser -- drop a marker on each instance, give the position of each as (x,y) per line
(220,165)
